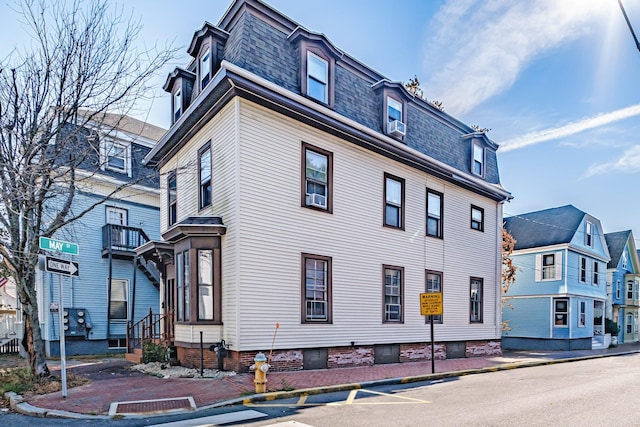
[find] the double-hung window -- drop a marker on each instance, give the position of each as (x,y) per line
(183,273)
(395,121)
(624,260)
(588,235)
(434,213)
(204,169)
(317,181)
(172,198)
(561,312)
(316,289)
(630,290)
(548,267)
(618,289)
(393,289)
(477,218)
(205,68)
(317,77)
(629,324)
(118,299)
(478,159)
(476,298)
(583,270)
(205,284)
(595,273)
(177,105)
(394,201)
(116,156)
(582,315)
(434,284)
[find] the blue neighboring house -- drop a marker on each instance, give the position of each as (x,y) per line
(557,301)
(114,288)
(623,277)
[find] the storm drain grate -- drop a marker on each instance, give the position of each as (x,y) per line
(152,406)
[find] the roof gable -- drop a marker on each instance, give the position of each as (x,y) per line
(545,228)
(616,242)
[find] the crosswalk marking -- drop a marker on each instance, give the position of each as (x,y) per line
(350,400)
(216,420)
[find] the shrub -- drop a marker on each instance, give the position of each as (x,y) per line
(152,352)
(611,327)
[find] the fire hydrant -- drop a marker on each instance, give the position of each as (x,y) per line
(260,367)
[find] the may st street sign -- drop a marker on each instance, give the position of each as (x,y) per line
(59,246)
(61,266)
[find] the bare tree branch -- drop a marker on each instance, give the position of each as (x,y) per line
(83,65)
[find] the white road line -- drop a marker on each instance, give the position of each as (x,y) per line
(214,420)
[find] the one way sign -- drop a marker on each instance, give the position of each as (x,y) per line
(61,266)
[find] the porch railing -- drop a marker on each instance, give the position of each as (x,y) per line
(10,324)
(154,327)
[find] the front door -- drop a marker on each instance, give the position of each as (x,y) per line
(598,318)
(118,217)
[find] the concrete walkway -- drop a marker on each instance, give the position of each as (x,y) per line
(116,390)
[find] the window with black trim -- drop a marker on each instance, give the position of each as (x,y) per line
(433,284)
(177,104)
(205,67)
(317,77)
(172,198)
(434,213)
(477,218)
(394,201)
(317,182)
(204,176)
(477,166)
(476,298)
(316,289)
(393,294)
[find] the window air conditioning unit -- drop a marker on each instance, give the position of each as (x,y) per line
(397,128)
(317,200)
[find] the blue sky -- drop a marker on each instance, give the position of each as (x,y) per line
(557,82)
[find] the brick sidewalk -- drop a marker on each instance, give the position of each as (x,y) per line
(126,386)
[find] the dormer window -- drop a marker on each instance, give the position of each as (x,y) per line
(177,104)
(205,68)
(395,120)
(478,160)
(317,78)
(116,156)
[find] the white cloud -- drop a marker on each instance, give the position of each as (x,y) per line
(629,162)
(480,47)
(569,129)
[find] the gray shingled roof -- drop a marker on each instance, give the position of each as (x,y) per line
(616,243)
(544,228)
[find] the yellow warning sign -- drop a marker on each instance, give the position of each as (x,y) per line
(431,303)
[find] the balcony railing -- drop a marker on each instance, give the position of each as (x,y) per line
(122,237)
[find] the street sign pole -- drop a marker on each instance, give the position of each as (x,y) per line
(431,305)
(63,361)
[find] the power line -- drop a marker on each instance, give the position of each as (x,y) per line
(626,18)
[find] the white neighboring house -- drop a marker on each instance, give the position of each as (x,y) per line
(10,314)
(301,188)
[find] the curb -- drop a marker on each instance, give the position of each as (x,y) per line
(18,405)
